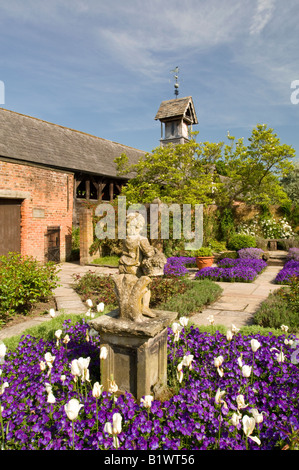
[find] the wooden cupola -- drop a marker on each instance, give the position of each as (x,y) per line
(177,117)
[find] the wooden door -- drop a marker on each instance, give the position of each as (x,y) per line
(10,226)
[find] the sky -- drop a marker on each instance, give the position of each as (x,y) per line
(104,67)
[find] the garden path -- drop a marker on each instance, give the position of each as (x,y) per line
(236,305)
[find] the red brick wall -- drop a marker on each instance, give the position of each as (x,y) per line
(48,202)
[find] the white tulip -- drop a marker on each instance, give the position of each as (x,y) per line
(218,397)
(75,369)
(89,302)
(280,357)
(248,427)
(63,378)
(72,408)
(147,401)
(103,352)
(211,319)
(254,345)
(48,388)
(246,371)
(52,312)
(66,339)
(113,387)
(179,372)
(218,361)
(97,390)
(100,307)
(257,416)
(241,402)
(229,335)
(83,364)
(51,398)
(176,328)
(284,328)
(240,362)
(3,387)
(187,360)
(2,352)
(115,428)
(58,333)
(42,365)
(49,359)
(235,329)
(184,321)
(235,419)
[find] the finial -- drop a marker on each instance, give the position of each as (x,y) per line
(176,85)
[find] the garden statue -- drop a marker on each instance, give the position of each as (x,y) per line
(138,262)
(136,345)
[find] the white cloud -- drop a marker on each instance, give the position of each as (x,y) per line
(264,13)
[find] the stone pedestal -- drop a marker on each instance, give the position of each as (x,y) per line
(137,352)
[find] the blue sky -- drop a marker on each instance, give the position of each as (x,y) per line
(104,67)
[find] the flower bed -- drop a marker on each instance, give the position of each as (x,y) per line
(233,270)
(231,392)
(176,266)
(290,269)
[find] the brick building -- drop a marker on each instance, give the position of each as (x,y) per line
(47,172)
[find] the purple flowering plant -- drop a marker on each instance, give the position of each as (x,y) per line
(176,266)
(233,270)
(207,409)
(290,270)
(254,253)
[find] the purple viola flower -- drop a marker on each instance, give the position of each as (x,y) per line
(252,253)
(176,266)
(188,419)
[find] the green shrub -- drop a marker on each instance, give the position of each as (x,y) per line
(280,308)
(228,254)
(162,289)
(217,246)
(194,299)
(23,282)
(240,240)
(204,251)
(98,288)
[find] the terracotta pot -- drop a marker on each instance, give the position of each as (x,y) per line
(204,261)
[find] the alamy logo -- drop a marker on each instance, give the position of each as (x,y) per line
(2,92)
(160,223)
(295,94)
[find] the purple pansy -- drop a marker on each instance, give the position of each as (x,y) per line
(190,419)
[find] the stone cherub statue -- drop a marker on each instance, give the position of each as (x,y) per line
(138,262)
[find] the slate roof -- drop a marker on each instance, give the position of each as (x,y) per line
(33,140)
(177,107)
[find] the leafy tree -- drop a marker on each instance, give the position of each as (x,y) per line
(290,184)
(253,172)
(203,173)
(176,174)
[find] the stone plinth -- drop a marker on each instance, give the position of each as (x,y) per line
(137,352)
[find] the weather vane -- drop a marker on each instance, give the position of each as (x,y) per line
(176,85)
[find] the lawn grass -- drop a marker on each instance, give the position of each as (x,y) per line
(107,261)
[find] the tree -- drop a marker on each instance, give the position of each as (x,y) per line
(290,184)
(175,174)
(204,173)
(253,172)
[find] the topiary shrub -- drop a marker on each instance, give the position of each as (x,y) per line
(240,240)
(24,282)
